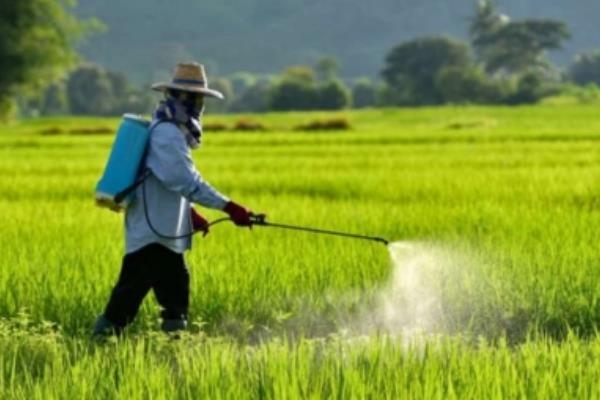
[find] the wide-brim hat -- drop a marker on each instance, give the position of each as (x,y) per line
(189,77)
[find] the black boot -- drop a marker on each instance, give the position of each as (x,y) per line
(104,328)
(173,325)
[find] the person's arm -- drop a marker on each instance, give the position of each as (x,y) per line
(170,161)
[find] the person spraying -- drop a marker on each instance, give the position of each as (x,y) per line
(159,220)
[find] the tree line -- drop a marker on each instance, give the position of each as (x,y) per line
(503,62)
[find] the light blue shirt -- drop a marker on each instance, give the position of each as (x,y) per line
(173,184)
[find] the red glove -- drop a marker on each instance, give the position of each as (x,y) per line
(199,223)
(239,215)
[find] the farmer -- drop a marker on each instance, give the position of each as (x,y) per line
(162,210)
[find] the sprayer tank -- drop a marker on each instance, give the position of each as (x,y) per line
(124,162)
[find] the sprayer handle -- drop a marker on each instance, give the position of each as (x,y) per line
(258,219)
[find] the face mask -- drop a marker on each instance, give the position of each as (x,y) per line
(194,137)
(194,105)
(187,112)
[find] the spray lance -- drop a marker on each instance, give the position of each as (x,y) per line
(261,220)
(255,219)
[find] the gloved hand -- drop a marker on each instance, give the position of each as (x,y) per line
(199,223)
(239,215)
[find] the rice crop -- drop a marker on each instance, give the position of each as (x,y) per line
(493,292)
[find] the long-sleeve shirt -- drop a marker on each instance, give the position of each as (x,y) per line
(173,183)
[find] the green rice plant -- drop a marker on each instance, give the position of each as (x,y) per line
(505,198)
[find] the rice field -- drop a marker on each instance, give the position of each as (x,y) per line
(491,290)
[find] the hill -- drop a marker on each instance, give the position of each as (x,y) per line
(146,37)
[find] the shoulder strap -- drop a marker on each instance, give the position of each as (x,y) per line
(155,123)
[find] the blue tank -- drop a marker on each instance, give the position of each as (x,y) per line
(124,162)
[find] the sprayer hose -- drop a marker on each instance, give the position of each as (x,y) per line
(160,235)
(257,220)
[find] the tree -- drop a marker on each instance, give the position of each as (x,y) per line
(224,86)
(296,90)
(326,68)
(300,73)
(484,25)
(292,94)
(460,85)
(93,90)
(333,95)
(586,69)
(532,86)
(242,81)
(253,99)
(136,101)
(364,93)
(55,101)
(37,39)
(90,91)
(513,47)
(118,81)
(519,46)
(411,67)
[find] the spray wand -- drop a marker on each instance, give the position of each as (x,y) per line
(261,220)
(255,219)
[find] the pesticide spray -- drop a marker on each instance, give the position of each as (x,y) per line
(410,304)
(433,289)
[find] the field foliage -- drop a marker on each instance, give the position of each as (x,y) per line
(513,191)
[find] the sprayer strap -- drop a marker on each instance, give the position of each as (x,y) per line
(125,192)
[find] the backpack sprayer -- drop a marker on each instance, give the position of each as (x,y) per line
(125,171)
(115,190)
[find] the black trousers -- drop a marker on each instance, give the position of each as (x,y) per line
(152,267)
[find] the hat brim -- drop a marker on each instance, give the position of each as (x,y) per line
(161,87)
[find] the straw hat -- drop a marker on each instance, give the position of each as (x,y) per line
(189,77)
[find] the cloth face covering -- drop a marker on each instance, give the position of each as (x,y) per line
(184,114)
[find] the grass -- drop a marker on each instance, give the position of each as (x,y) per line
(513,190)
(153,367)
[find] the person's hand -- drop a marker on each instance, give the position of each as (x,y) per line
(199,223)
(240,215)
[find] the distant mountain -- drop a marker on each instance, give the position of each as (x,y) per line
(146,37)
